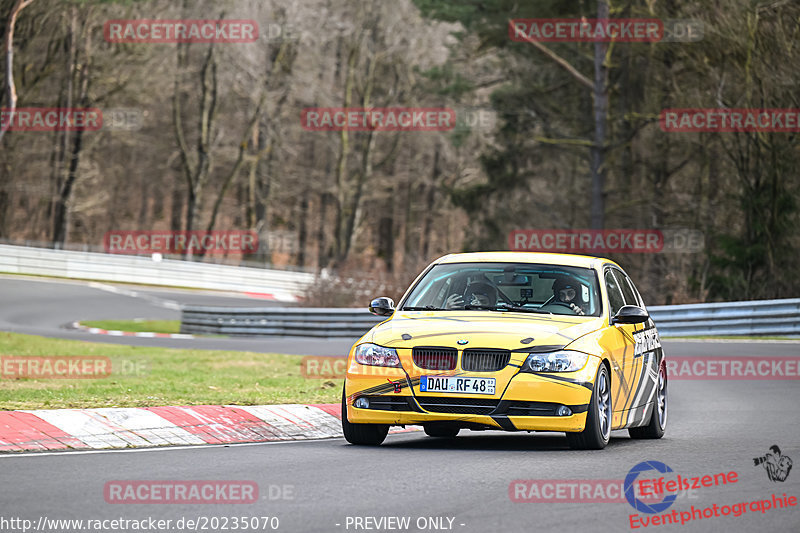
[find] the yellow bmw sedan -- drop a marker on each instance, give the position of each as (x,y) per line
(514,341)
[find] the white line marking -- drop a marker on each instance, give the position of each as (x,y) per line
(160,449)
(161,302)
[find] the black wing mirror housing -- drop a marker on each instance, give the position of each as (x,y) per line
(382,306)
(630,314)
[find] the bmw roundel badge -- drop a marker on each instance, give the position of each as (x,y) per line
(462,341)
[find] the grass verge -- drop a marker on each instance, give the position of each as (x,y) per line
(146,377)
(152,326)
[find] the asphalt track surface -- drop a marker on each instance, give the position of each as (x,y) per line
(41,306)
(715,426)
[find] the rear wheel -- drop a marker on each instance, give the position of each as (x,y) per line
(443,431)
(362,434)
(658,416)
(596,434)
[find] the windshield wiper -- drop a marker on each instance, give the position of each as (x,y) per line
(506,307)
(479,308)
(503,307)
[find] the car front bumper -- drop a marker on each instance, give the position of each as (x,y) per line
(523,401)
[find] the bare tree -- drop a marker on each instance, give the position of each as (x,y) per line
(11,90)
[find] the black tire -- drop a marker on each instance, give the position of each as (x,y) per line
(657,424)
(362,434)
(597,433)
(443,431)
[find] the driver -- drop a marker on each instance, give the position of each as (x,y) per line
(477,294)
(568,293)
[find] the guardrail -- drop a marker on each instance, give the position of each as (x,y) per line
(287,321)
(757,317)
(763,317)
(282,285)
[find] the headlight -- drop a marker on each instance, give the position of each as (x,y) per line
(374,355)
(563,361)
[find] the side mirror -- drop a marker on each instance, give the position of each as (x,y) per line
(382,306)
(630,314)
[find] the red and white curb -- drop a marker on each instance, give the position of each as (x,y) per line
(117,333)
(135,427)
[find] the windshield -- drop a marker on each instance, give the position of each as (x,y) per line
(523,287)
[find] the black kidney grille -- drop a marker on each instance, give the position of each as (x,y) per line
(484,360)
(435,358)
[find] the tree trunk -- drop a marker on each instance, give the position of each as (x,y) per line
(322,249)
(59,235)
(302,232)
(598,167)
(342,181)
(430,202)
(5,198)
(386,234)
(144,199)
(176,209)
(11,90)
(61,210)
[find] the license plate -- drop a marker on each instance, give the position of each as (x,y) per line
(456,384)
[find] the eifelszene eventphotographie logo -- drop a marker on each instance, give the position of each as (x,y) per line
(777,465)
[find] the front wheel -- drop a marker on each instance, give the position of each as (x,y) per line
(597,433)
(362,434)
(658,416)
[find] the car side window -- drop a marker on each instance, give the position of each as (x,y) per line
(615,298)
(636,292)
(625,285)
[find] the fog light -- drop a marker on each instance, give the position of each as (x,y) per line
(564,411)
(361,403)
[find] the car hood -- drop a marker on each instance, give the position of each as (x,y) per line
(480,329)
